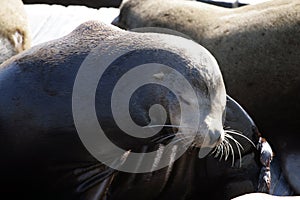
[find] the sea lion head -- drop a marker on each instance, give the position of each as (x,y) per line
(207,82)
(171,62)
(123,20)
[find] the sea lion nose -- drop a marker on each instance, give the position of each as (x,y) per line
(216,137)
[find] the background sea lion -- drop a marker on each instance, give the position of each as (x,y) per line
(14,33)
(257,48)
(89,3)
(42,154)
(264,196)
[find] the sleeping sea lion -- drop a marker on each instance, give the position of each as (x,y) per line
(45,155)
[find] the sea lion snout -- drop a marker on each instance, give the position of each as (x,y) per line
(215,134)
(216,137)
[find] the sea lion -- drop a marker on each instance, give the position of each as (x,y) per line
(88,3)
(264,196)
(14,32)
(257,48)
(43,156)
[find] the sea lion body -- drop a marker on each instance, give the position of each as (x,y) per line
(14,30)
(257,48)
(43,156)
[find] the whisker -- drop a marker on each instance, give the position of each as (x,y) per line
(238,145)
(166,136)
(233,139)
(218,151)
(184,146)
(166,125)
(215,149)
(227,148)
(162,138)
(222,151)
(232,152)
(186,137)
(240,134)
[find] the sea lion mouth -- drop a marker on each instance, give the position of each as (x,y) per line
(239,133)
(230,146)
